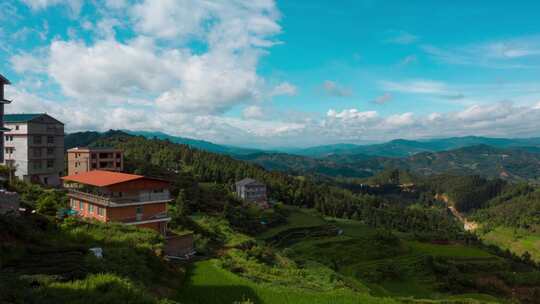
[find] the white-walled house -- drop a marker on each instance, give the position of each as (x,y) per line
(34,146)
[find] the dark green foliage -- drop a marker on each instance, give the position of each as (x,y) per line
(518,207)
(45,262)
(84,139)
(466,193)
(512,164)
(175,162)
(301,165)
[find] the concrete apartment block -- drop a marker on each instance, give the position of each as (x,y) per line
(34,147)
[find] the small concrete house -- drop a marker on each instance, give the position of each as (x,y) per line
(251,190)
(179,245)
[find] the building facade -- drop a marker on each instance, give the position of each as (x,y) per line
(3,101)
(130,199)
(34,147)
(251,190)
(82,160)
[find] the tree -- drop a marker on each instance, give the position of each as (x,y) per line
(182,204)
(47,204)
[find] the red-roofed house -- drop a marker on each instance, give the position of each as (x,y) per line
(109,196)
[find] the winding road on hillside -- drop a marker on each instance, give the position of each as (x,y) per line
(467,225)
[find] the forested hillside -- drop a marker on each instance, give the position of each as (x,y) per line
(513,162)
(182,163)
(301,165)
(509,164)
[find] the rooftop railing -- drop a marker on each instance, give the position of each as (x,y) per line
(109,201)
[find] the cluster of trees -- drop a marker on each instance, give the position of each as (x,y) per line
(467,192)
(517,207)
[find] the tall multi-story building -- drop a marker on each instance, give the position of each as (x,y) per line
(82,160)
(3,101)
(34,147)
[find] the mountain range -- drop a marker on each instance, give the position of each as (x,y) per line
(404,148)
(510,159)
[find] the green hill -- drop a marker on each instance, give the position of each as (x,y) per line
(300,165)
(325,244)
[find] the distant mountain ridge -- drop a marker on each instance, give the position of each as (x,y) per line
(79,139)
(403,148)
(510,159)
(397,148)
(196,143)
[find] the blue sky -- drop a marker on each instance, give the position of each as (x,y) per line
(286,73)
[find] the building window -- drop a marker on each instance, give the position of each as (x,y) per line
(37,164)
(81,206)
(9,138)
(91,208)
(118,164)
(139,212)
(100,211)
(118,155)
(50,139)
(37,139)
(50,163)
(16,127)
(94,155)
(37,152)
(50,151)
(94,166)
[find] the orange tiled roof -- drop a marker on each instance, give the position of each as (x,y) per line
(101,178)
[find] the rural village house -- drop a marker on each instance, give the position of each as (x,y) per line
(252,191)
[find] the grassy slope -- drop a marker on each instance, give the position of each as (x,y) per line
(517,241)
(45,262)
(210,284)
(297,218)
(356,249)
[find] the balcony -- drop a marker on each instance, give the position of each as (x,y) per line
(159,217)
(108,201)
